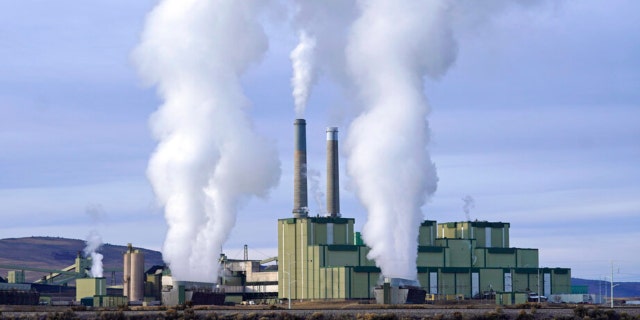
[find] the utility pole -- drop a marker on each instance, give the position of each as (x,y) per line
(612,285)
(539,293)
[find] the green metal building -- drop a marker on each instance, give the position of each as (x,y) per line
(323,258)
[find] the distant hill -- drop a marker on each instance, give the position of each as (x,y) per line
(622,289)
(57,253)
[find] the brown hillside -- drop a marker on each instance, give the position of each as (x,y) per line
(57,253)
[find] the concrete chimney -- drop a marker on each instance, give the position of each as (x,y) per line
(333,175)
(300,207)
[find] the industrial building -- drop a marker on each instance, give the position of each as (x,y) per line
(324,258)
(249,280)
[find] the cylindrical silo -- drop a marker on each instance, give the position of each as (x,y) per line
(333,175)
(300,207)
(137,276)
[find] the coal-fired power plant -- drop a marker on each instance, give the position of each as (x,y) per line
(320,258)
(300,206)
(333,173)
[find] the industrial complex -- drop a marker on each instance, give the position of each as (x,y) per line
(319,258)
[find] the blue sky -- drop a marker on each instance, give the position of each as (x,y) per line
(537,120)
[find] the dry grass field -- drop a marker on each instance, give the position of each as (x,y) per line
(328,311)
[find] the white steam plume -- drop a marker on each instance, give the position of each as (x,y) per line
(94,242)
(393,45)
(326,22)
(304,73)
(209,160)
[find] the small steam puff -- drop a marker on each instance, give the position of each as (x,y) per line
(209,160)
(94,242)
(469,204)
(314,188)
(303,60)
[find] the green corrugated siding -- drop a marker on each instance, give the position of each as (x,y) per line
(325,220)
(501,250)
(342,247)
(454,270)
(486,224)
(366,269)
(561,270)
(358,239)
(526,270)
(430,249)
(428,223)
(580,289)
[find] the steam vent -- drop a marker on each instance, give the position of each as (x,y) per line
(321,256)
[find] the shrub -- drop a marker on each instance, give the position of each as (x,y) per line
(119,315)
(66,315)
(317,316)
(212,316)
(496,315)
(373,316)
(580,311)
(523,315)
(171,314)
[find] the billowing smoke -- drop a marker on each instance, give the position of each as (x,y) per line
(209,159)
(393,45)
(303,60)
(469,203)
(94,242)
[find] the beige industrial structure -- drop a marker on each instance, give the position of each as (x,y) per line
(134,277)
(324,258)
(249,280)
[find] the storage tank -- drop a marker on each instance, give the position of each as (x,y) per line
(136,289)
(133,274)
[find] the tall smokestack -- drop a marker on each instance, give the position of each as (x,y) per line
(300,207)
(333,176)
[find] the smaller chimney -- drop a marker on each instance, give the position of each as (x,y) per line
(333,175)
(300,207)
